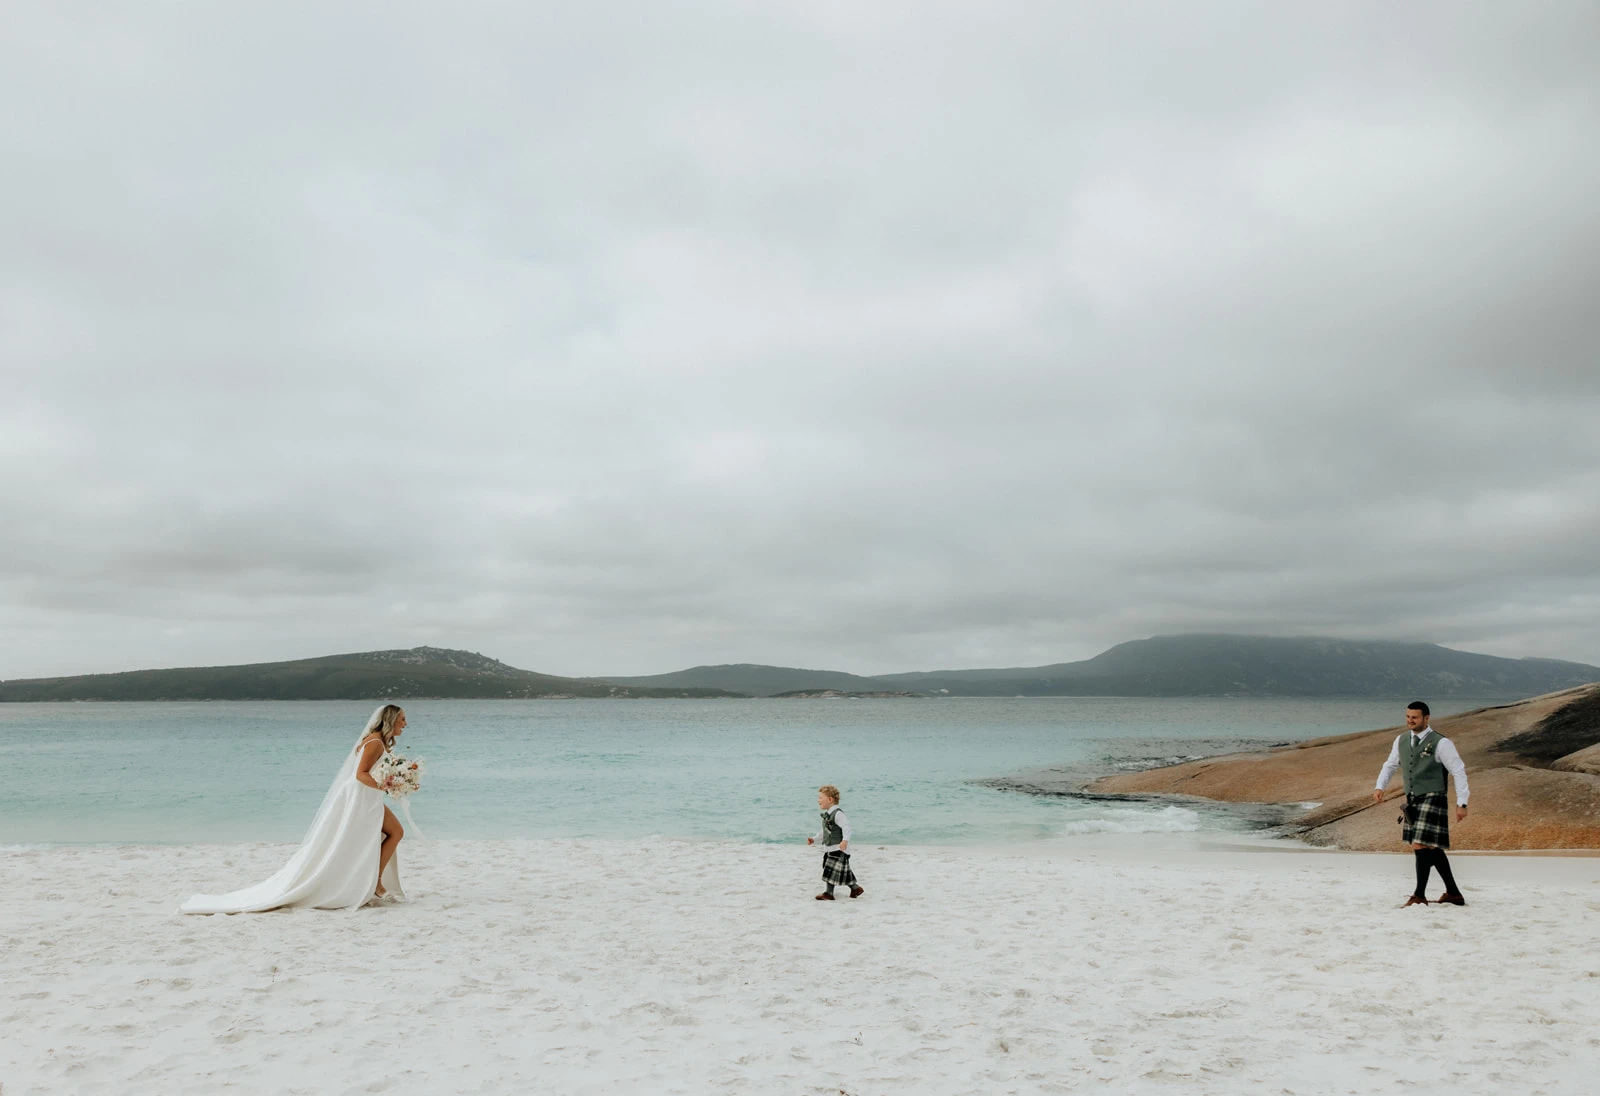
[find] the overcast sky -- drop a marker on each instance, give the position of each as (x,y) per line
(619,337)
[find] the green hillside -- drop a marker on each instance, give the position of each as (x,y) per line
(369,675)
(1196,665)
(1192,665)
(754,680)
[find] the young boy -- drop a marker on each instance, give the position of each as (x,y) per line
(835,838)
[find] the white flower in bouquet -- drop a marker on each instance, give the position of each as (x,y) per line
(398,776)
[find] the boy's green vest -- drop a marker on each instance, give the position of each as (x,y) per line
(832,832)
(1420,766)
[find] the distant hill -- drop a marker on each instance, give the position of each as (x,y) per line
(1189,665)
(370,675)
(752,680)
(1195,665)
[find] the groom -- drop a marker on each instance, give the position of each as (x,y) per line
(1423,757)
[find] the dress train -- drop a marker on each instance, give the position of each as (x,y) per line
(336,865)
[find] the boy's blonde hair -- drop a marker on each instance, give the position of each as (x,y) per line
(830,791)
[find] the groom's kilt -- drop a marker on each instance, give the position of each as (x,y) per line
(1427,820)
(836,869)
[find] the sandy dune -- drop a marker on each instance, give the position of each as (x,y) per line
(674,967)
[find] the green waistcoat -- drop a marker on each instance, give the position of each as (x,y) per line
(1421,767)
(832,832)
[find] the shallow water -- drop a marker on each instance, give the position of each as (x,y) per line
(912,771)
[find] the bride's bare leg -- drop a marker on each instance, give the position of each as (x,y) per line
(392,833)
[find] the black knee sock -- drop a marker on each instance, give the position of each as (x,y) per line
(830,888)
(1442,862)
(1424,863)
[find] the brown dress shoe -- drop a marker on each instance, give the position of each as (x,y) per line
(1450,899)
(1415,900)
(857,892)
(825,898)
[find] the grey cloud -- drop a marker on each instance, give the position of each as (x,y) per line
(620,338)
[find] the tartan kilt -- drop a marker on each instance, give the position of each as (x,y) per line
(1432,826)
(836,869)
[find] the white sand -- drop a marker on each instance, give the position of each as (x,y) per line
(671,967)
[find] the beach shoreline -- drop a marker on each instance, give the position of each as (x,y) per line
(679,966)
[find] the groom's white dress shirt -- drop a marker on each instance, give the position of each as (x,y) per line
(1447,754)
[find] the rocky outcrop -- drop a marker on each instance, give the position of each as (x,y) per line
(1520,800)
(1579,761)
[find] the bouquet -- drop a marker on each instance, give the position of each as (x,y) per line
(398,776)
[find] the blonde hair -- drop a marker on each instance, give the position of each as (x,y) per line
(382,724)
(830,791)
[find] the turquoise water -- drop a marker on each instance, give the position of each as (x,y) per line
(911,770)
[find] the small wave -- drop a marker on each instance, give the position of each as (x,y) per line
(1140,764)
(1164,820)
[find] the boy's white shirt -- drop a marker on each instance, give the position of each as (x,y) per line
(843,823)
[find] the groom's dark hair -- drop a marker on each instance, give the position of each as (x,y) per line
(1418,706)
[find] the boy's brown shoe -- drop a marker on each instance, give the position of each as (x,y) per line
(1449,899)
(1415,900)
(825,898)
(857,892)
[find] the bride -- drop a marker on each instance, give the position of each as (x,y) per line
(335,866)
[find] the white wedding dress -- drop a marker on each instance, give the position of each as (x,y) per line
(336,866)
